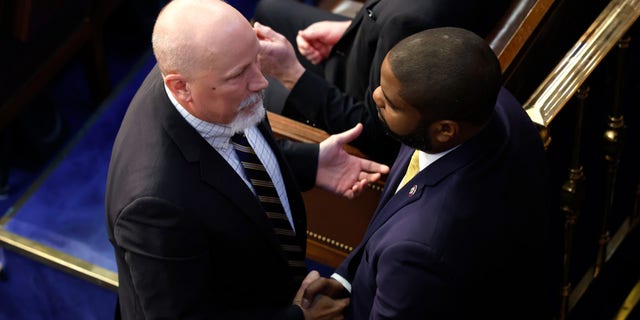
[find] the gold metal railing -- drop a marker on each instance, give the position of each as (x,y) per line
(563,81)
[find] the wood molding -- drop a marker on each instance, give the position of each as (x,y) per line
(298,131)
(524,31)
(335,225)
(319,252)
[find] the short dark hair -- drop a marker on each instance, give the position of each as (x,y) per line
(447,74)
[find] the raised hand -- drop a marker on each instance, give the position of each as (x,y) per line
(316,41)
(276,57)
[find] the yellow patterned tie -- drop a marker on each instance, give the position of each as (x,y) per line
(412,170)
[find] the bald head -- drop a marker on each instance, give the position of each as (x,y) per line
(190,34)
(447,73)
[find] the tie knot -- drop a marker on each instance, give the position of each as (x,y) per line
(240,140)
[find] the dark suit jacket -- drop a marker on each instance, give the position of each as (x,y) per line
(465,238)
(191,240)
(344,96)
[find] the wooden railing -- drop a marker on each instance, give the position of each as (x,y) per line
(515,28)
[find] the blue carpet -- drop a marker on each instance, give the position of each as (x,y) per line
(66,209)
(32,291)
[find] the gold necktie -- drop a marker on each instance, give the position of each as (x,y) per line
(413,169)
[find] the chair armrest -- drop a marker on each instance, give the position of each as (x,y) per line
(516,26)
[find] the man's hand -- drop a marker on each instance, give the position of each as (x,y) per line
(276,57)
(311,276)
(316,41)
(342,173)
(323,286)
(320,307)
(325,308)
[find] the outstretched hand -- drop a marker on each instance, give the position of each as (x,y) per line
(342,173)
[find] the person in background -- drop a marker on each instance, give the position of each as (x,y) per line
(329,83)
(203,205)
(461,230)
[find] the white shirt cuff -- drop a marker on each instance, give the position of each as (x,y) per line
(342,281)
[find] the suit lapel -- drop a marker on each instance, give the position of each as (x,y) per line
(415,189)
(214,169)
(391,201)
(395,176)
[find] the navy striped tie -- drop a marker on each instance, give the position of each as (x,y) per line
(270,201)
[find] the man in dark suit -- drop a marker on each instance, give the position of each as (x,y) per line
(466,236)
(336,94)
(192,234)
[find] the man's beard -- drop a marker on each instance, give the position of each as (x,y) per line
(256,114)
(417,139)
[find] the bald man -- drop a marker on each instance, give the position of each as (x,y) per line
(192,232)
(465,236)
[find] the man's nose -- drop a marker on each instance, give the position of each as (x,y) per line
(258,81)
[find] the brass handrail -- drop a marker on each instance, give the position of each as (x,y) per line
(574,68)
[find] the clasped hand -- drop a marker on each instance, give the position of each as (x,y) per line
(315,304)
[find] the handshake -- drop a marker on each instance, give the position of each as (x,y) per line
(321,298)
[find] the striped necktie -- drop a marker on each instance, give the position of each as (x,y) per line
(270,201)
(412,169)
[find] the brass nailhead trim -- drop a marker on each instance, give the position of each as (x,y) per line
(329,241)
(375,186)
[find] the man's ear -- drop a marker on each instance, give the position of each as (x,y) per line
(178,86)
(446,130)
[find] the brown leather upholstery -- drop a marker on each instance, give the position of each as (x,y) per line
(515,28)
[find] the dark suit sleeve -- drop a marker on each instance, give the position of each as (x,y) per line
(171,268)
(411,284)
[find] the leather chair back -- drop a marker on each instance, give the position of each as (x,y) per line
(516,26)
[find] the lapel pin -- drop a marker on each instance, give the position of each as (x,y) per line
(413,190)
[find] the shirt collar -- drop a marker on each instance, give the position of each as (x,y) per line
(217,135)
(425,159)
